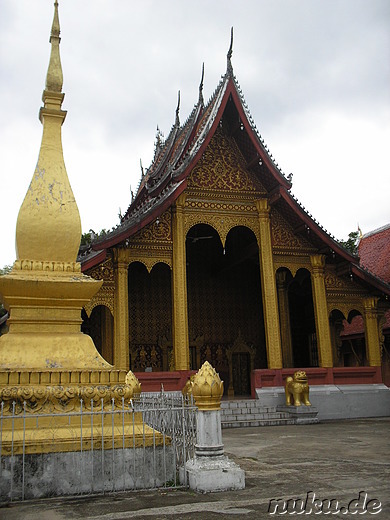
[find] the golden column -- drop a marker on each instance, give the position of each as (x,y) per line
(268,285)
(179,283)
(324,343)
(121,310)
(372,331)
(284,315)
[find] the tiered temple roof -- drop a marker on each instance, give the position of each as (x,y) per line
(176,156)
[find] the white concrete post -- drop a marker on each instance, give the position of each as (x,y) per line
(210,470)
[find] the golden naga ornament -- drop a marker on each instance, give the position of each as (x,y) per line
(207,388)
(297,389)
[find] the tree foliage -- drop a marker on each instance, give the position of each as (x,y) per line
(6,269)
(352,242)
(87,238)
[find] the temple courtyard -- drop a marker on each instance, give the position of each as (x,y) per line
(347,461)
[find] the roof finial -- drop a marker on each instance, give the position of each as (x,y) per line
(200,100)
(229,54)
(142,169)
(158,144)
(360,232)
(177,122)
(54,78)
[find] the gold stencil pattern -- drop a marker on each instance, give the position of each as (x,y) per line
(222,167)
(283,235)
(159,230)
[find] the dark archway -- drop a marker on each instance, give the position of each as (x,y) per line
(352,351)
(100,326)
(150,315)
(302,320)
(224,297)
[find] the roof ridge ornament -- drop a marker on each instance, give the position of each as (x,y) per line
(177,121)
(229,69)
(54,76)
(201,100)
(158,144)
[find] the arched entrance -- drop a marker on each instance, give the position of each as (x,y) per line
(150,316)
(100,326)
(302,320)
(349,339)
(224,298)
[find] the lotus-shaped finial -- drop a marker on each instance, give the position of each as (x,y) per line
(207,388)
(134,384)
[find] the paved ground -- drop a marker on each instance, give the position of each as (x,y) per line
(334,460)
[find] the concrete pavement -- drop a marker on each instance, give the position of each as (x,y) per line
(334,460)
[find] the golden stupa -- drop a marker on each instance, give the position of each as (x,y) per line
(47,365)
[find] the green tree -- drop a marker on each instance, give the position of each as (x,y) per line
(87,238)
(6,269)
(351,244)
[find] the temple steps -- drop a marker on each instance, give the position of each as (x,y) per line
(241,413)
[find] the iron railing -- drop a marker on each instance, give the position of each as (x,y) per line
(94,450)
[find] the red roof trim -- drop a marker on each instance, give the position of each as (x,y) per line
(370,279)
(208,138)
(255,141)
(126,233)
(321,233)
(94,260)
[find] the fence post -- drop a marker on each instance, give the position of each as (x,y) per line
(210,470)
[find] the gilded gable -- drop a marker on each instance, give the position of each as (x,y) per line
(222,167)
(283,236)
(158,230)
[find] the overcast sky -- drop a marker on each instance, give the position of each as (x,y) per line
(315,75)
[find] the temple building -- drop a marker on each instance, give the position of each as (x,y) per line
(374,254)
(215,259)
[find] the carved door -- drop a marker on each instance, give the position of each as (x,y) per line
(241,373)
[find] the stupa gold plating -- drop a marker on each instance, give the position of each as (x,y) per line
(46,363)
(45,290)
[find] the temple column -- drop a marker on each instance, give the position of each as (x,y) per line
(268,286)
(284,316)
(179,289)
(324,344)
(121,310)
(371,321)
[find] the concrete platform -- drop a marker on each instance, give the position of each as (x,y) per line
(334,460)
(337,401)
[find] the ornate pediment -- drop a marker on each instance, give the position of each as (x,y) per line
(158,230)
(223,167)
(283,235)
(103,271)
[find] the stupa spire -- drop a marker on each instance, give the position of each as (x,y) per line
(54,77)
(45,290)
(48,227)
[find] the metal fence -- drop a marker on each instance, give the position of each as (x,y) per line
(94,450)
